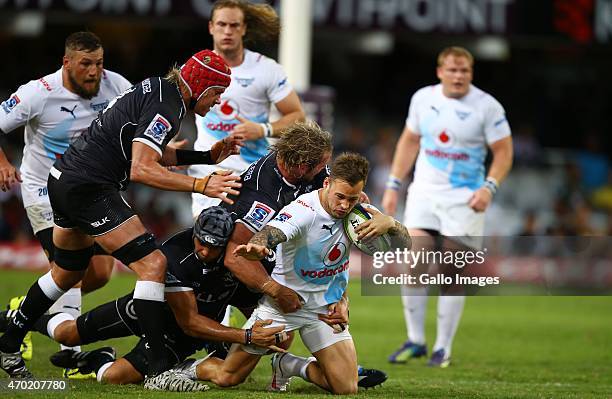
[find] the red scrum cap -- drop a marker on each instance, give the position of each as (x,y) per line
(203,71)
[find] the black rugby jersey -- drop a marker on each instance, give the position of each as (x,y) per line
(264,192)
(213,285)
(149,112)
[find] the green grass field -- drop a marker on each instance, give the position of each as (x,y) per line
(531,347)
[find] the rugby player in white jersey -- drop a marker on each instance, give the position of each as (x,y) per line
(55,110)
(448,130)
(315,265)
(257,83)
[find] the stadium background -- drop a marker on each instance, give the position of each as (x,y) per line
(547,62)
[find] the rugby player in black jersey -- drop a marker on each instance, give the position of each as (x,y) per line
(127,142)
(198,289)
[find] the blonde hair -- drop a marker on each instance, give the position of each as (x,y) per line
(303,143)
(263,24)
(455,51)
(173,75)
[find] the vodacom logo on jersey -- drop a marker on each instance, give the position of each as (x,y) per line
(335,261)
(227,110)
(445,138)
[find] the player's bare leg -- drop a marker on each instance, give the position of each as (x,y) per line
(120,372)
(229,372)
(98,273)
(335,369)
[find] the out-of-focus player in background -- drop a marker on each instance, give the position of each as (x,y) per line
(257,83)
(55,110)
(127,142)
(448,129)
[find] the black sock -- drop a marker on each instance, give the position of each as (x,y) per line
(97,360)
(150,319)
(41,324)
(35,305)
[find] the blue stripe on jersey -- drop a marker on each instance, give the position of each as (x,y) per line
(465,166)
(57,140)
(220,128)
(337,287)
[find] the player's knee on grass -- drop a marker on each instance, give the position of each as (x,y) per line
(227,379)
(121,372)
(340,383)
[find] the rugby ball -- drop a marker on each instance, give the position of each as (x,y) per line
(357,216)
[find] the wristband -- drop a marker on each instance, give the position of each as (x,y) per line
(393,183)
(267,129)
(248,336)
(491,185)
(188,157)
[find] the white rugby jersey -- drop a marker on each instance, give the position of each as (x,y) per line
(314,262)
(256,84)
(53,117)
(454,137)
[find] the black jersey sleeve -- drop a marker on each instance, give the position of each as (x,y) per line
(161,115)
(255,209)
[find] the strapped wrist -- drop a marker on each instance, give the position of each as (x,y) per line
(492,185)
(199,185)
(393,183)
(265,287)
(268,130)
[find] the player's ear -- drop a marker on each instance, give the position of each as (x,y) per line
(66,61)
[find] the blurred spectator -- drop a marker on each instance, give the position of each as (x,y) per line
(593,163)
(527,150)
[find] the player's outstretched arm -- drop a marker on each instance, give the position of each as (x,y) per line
(382,224)
(254,275)
(176,156)
(261,244)
(146,169)
(185,309)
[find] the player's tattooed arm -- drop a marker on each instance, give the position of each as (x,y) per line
(269,237)
(400,236)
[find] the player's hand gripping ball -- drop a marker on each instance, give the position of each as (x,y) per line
(357,216)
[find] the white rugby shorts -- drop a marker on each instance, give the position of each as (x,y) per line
(446,213)
(315,334)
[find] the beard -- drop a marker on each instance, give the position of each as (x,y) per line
(82,91)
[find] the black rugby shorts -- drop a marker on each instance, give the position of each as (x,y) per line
(95,209)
